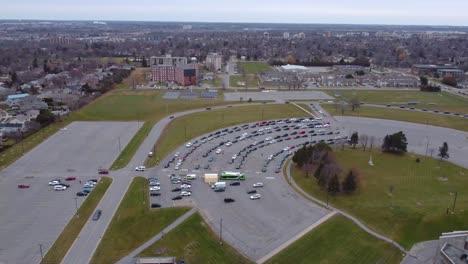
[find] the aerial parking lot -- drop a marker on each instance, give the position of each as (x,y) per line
(254,225)
(37,215)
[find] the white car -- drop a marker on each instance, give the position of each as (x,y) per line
(268,138)
(188,145)
(234,156)
(140,168)
(218,151)
(88,185)
(154,188)
(176,154)
(63,129)
(258,184)
(185,186)
(150,154)
(176,168)
(60,187)
(228,144)
(185,193)
(255,196)
(286,149)
(54,182)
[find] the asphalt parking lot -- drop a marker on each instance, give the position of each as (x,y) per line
(37,215)
(255,227)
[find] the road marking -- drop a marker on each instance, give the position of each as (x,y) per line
(270,178)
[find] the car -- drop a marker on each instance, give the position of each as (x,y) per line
(23,186)
(188,145)
(97,215)
(228,144)
(171,117)
(176,190)
(252,192)
(234,156)
(154,188)
(257,184)
(185,186)
(81,193)
(178,197)
(255,196)
(229,200)
(235,183)
(63,129)
(71,178)
(208,108)
(176,154)
(150,154)
(210,159)
(218,151)
(288,138)
(86,190)
(103,171)
(155,205)
(155,194)
(277,171)
(185,193)
(140,168)
(154,183)
(89,185)
(54,182)
(60,187)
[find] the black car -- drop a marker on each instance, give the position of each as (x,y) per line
(155,194)
(167,165)
(252,192)
(97,215)
(235,183)
(208,108)
(176,190)
(81,194)
(178,197)
(228,200)
(155,205)
(171,117)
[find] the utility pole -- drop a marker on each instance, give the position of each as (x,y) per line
(120,148)
(454,202)
(221,231)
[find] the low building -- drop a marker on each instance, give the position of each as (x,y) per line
(453,248)
(174,69)
(11,99)
(455,73)
(430,69)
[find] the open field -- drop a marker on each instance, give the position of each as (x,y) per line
(253,67)
(435,101)
(194,242)
(133,224)
(249,81)
(117,105)
(399,197)
(188,127)
(454,122)
(216,82)
(136,77)
(71,231)
(338,240)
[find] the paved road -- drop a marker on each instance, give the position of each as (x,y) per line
(411,108)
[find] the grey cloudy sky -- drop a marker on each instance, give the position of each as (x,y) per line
(420,12)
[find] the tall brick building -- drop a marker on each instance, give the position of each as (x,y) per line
(174,69)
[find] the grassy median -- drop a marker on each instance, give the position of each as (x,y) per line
(338,240)
(399,197)
(194,242)
(71,231)
(133,224)
(187,127)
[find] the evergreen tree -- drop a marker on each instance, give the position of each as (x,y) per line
(443,151)
(354,139)
(318,171)
(350,182)
(334,185)
(395,143)
(35,64)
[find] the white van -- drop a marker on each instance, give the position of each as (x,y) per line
(191,176)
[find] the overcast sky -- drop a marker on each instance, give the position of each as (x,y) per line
(413,12)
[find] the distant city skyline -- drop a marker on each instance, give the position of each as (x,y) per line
(397,12)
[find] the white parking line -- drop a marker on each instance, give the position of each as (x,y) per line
(270,178)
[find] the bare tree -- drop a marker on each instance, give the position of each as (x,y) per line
(371,142)
(364,139)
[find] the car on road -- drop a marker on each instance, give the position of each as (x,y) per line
(150,154)
(235,183)
(54,182)
(154,188)
(23,186)
(176,154)
(103,171)
(185,193)
(60,187)
(185,186)
(255,196)
(171,117)
(81,193)
(188,145)
(140,168)
(97,215)
(178,197)
(155,194)
(252,192)
(229,200)
(70,178)
(257,184)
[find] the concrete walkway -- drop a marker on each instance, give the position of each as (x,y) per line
(352,218)
(296,237)
(129,259)
(305,110)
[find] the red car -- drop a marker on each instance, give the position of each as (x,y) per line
(302,132)
(277,171)
(103,171)
(71,178)
(23,186)
(287,138)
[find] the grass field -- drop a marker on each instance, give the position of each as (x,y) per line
(250,81)
(435,101)
(133,224)
(194,242)
(253,67)
(454,122)
(73,228)
(338,240)
(399,197)
(216,82)
(188,127)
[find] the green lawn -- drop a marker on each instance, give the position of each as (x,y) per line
(432,119)
(249,81)
(253,67)
(338,240)
(185,128)
(73,228)
(194,242)
(436,101)
(216,82)
(415,210)
(133,224)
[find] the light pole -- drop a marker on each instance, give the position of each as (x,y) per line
(454,202)
(120,148)
(221,231)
